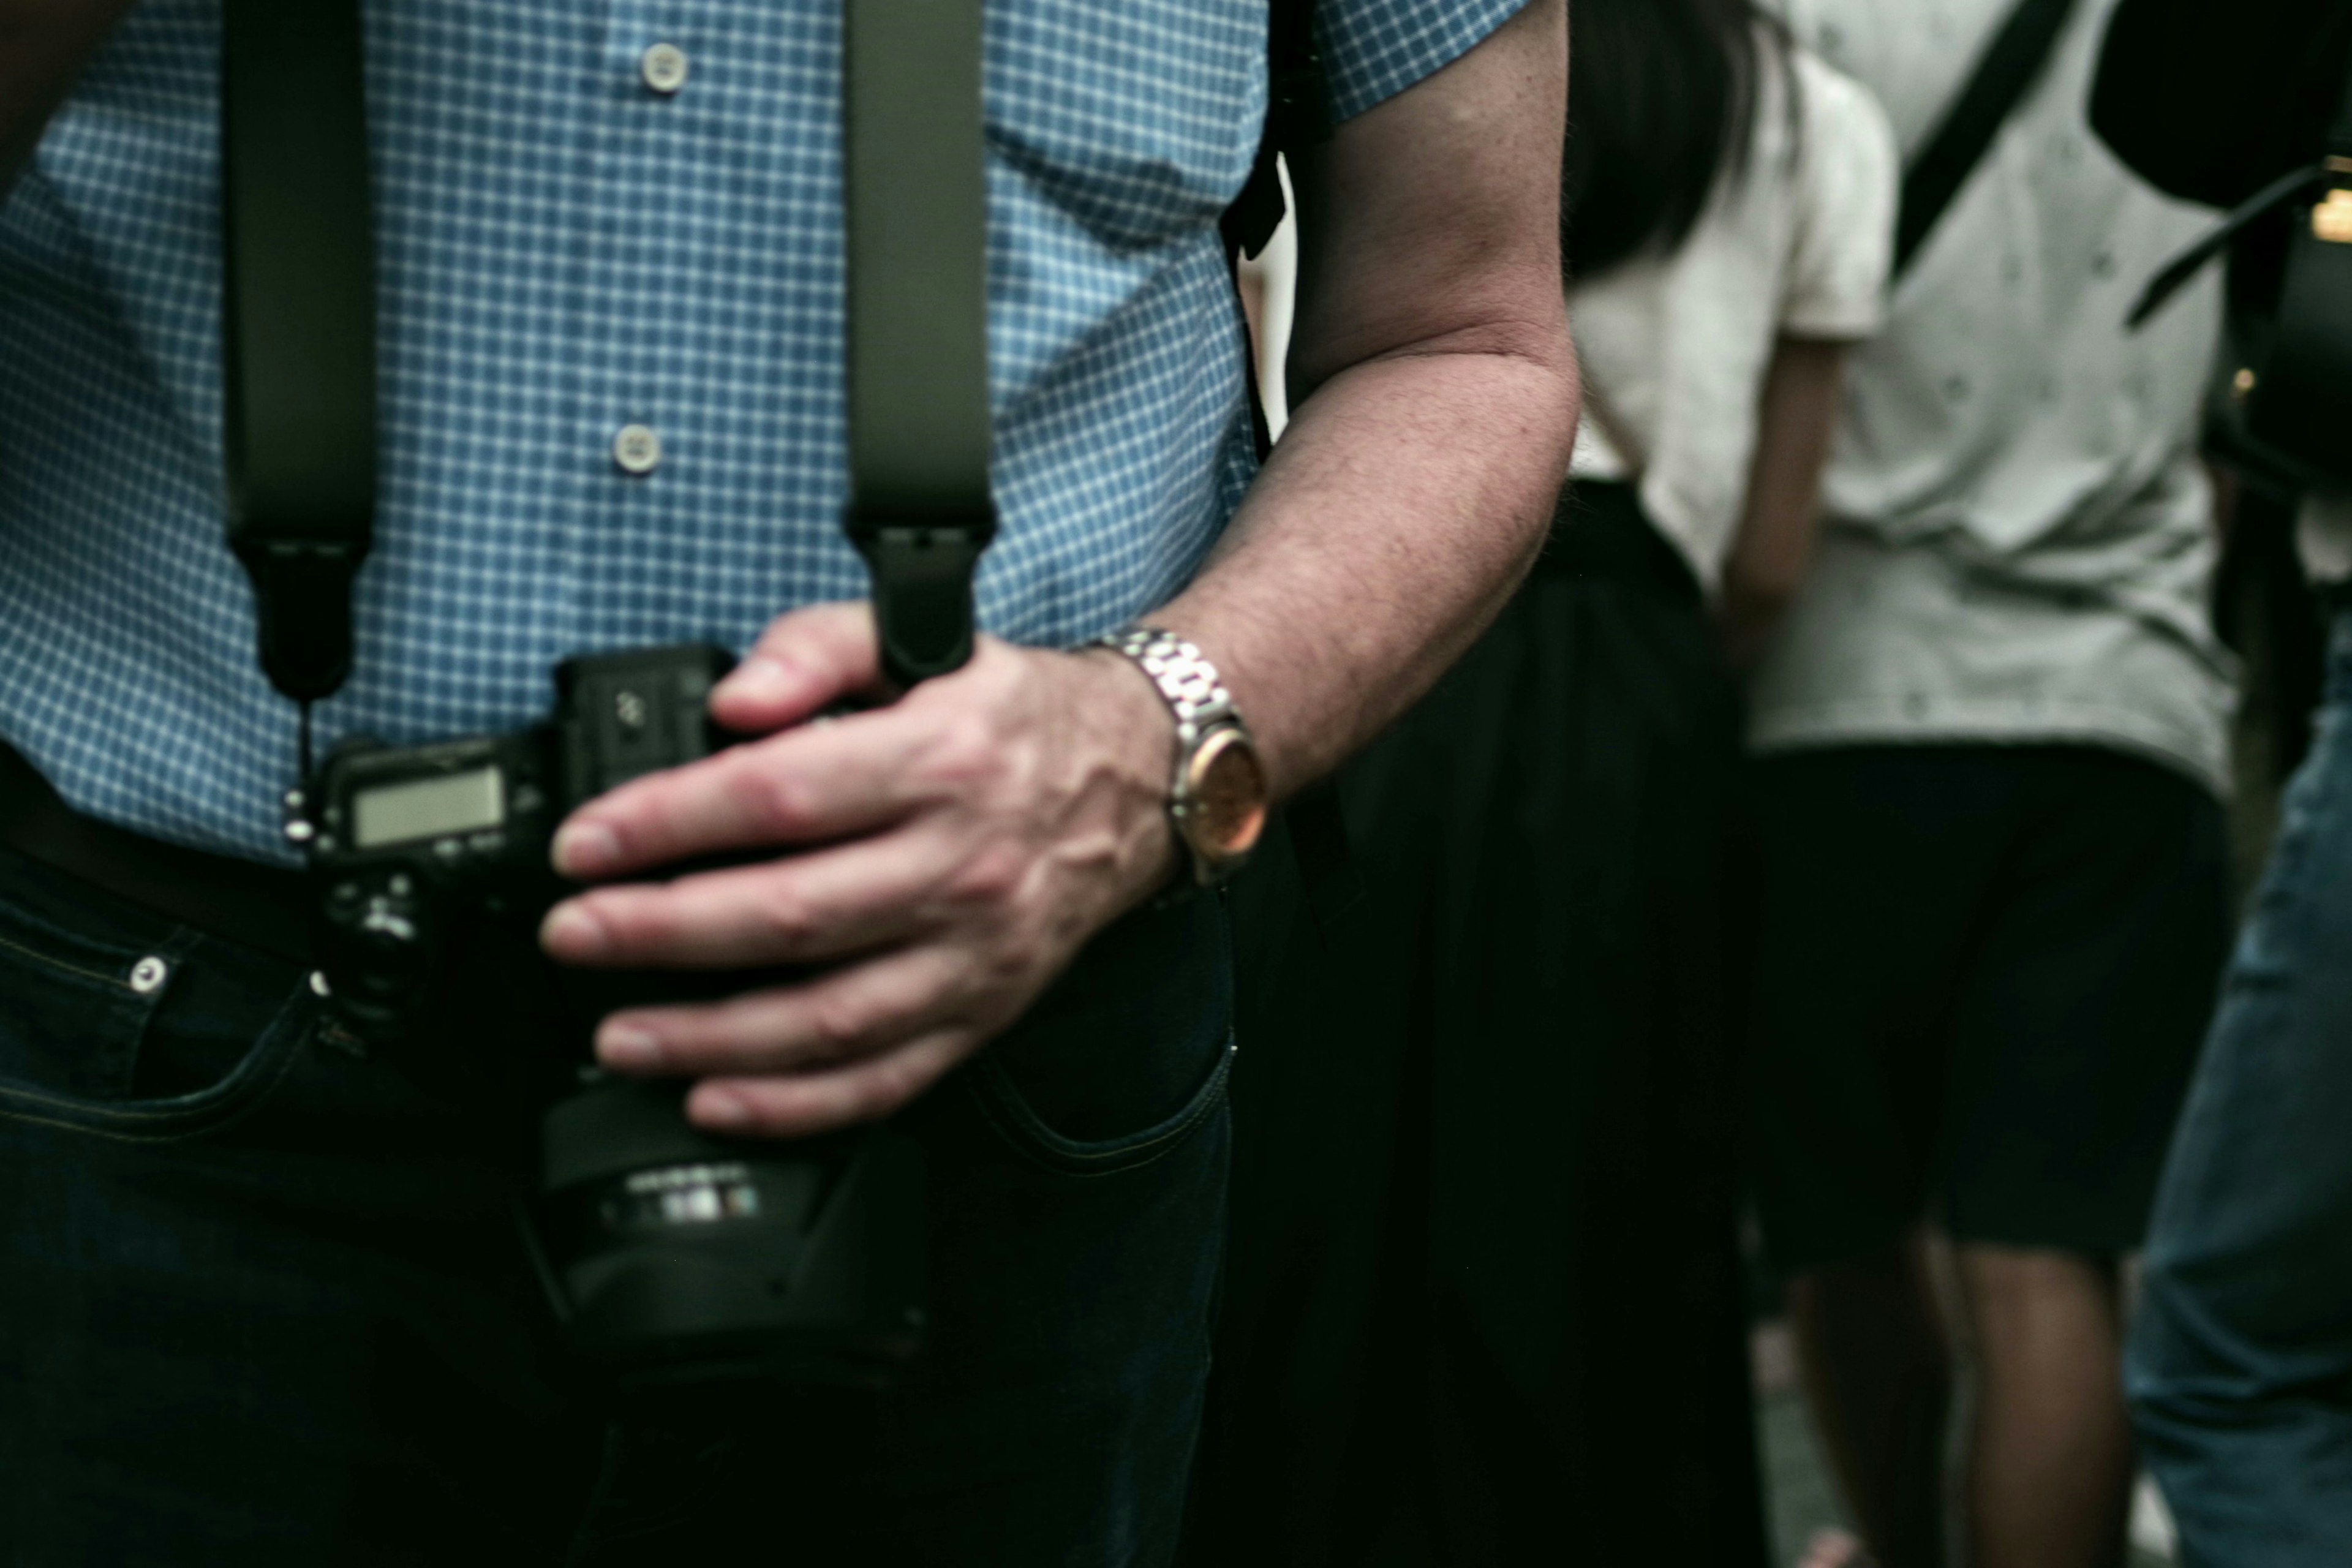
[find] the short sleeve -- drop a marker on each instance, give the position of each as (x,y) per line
(1374,49)
(1848,181)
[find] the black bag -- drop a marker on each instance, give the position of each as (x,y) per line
(2285,412)
(2298,402)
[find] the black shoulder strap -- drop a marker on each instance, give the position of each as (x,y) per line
(1296,116)
(2334,169)
(2011,64)
(915,184)
(299,320)
(299,323)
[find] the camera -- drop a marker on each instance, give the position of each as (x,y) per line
(668,1254)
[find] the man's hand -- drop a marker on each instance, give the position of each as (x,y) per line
(947,856)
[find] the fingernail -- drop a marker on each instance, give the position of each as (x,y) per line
(585,848)
(571,931)
(627,1046)
(758,679)
(716,1108)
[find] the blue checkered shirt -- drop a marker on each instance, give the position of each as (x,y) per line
(565,251)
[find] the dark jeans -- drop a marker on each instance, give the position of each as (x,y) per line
(2240,1368)
(262,1299)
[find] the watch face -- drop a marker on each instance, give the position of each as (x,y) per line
(1228,791)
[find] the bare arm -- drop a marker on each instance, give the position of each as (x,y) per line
(1434,400)
(957,848)
(43,46)
(1795,418)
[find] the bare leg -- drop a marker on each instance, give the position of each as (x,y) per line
(2050,1460)
(1878,1379)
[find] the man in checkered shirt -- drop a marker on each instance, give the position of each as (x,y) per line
(260,1300)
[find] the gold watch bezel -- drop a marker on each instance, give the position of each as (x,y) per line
(1219,828)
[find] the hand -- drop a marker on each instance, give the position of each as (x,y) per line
(951,853)
(1747,615)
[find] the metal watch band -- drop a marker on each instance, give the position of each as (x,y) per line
(1188,683)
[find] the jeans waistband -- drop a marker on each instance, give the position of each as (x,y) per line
(261,906)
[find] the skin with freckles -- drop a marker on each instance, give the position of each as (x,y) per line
(947,855)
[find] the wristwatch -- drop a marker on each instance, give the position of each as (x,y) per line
(1217,799)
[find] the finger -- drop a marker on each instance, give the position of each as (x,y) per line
(802,663)
(799,1106)
(824,904)
(807,785)
(860,1012)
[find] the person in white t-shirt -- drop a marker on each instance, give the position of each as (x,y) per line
(1995,871)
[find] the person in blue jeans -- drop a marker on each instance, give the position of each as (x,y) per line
(262,1299)
(2238,1366)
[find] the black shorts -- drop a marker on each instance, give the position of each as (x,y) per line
(1983,975)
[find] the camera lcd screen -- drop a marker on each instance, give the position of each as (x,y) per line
(429,808)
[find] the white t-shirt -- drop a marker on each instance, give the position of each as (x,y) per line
(1675,347)
(2019,540)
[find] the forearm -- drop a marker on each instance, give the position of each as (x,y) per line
(1434,396)
(1405,499)
(43,46)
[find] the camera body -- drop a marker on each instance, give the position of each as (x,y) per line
(668,1255)
(413,848)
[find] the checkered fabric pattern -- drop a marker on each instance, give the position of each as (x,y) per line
(565,251)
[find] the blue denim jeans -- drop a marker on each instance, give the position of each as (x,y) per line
(263,1301)
(2239,1366)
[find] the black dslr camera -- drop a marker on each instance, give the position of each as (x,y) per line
(668,1254)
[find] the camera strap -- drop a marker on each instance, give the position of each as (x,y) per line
(916,205)
(299,319)
(298,338)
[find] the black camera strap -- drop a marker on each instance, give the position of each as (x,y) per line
(300,318)
(916,198)
(298,328)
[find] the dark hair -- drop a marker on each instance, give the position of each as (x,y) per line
(1662,101)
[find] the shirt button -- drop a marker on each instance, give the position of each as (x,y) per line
(147,975)
(636,448)
(664,68)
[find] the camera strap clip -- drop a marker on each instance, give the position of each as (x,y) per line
(303,597)
(922,592)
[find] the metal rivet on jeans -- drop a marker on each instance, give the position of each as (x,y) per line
(147,975)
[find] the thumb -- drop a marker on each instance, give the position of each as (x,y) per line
(804,663)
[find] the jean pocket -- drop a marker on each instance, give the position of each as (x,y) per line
(118,1023)
(1010,1114)
(1126,1056)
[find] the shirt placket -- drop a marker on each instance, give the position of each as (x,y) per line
(632,433)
